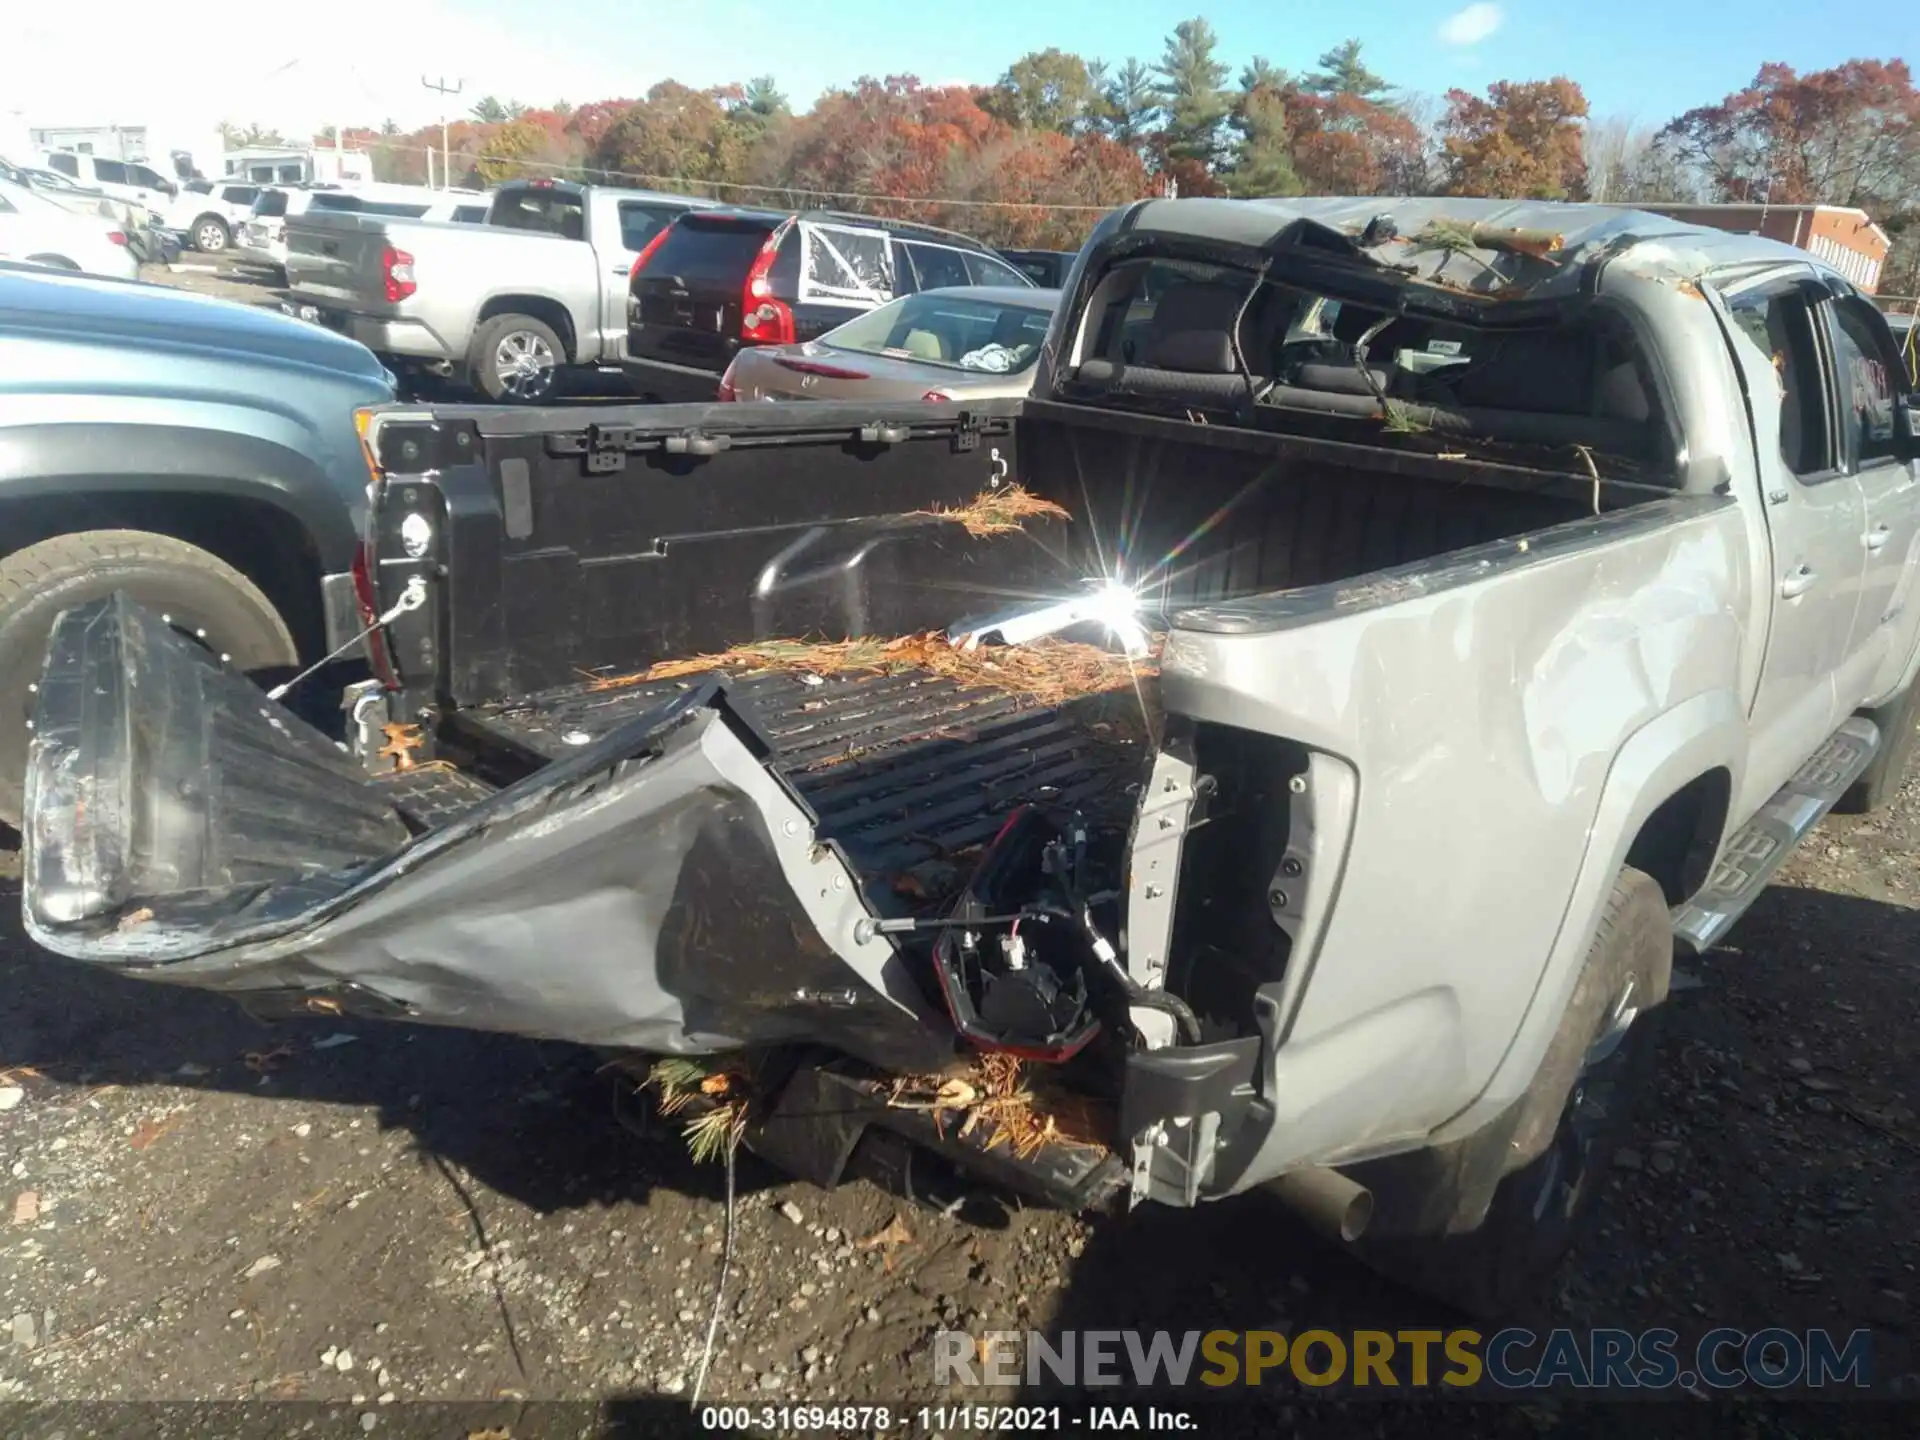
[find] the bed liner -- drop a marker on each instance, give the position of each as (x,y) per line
(906,774)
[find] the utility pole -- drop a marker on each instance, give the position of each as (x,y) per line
(446,165)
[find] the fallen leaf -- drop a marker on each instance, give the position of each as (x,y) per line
(150,1131)
(889,1237)
(492,1432)
(133,919)
(26,1207)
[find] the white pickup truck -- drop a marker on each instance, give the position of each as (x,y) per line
(504,306)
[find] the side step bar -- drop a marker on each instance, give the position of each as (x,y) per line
(1759,847)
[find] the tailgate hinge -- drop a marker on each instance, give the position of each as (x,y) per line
(607,447)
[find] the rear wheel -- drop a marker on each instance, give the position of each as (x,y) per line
(1880,782)
(1539,1211)
(199,594)
(515,359)
(211,235)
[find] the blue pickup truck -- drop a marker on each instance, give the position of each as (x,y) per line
(199,455)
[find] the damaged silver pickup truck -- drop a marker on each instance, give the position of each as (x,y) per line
(1284,752)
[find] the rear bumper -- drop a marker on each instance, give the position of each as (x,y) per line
(674,384)
(399,336)
(668,883)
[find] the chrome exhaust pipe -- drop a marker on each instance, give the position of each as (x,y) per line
(1328,1201)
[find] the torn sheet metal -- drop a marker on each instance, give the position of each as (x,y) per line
(659,889)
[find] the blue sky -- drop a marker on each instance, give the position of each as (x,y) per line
(294,66)
(1652,58)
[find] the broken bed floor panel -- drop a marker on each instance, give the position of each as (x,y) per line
(902,770)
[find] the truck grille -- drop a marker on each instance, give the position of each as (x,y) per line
(907,774)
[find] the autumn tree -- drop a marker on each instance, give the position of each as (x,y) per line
(680,136)
(1845,136)
(1047,90)
(1342,73)
(1193,104)
(239,137)
(1345,144)
(1523,140)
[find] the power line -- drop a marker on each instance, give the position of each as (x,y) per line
(657,181)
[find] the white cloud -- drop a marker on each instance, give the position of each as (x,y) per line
(1471,25)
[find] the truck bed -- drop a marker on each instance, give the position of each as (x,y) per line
(906,774)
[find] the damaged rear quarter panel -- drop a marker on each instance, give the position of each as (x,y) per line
(1482,712)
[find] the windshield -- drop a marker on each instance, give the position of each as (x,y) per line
(950,328)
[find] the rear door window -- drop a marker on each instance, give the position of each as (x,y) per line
(110,172)
(936,266)
(1868,366)
(845,264)
(986,270)
(67,165)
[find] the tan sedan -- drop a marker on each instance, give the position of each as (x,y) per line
(968,342)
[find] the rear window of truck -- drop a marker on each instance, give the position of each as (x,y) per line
(543,210)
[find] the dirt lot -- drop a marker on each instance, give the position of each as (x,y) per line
(197,1207)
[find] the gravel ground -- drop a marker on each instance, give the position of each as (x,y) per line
(195,1206)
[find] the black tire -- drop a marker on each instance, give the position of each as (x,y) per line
(1540,1210)
(52,262)
(486,360)
(1880,782)
(201,593)
(211,234)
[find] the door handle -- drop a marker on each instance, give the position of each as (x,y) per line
(1797,583)
(1877,537)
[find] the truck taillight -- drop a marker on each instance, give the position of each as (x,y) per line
(396,268)
(937,397)
(116,237)
(365,596)
(765,320)
(727,393)
(368,601)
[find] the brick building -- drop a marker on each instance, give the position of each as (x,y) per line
(1843,237)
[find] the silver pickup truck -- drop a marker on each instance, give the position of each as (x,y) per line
(1391,695)
(502,306)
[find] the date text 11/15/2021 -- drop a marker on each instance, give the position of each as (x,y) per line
(943,1419)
